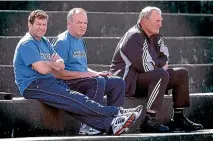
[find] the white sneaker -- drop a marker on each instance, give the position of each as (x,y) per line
(87,130)
(121,124)
(137,111)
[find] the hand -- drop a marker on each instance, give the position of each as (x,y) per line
(93,74)
(55,57)
(87,75)
(33,68)
(60,60)
(104,73)
(165,67)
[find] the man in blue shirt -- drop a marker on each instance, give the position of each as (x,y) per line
(71,47)
(34,62)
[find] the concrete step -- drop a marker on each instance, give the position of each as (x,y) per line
(200,77)
(111,24)
(202,135)
(21,117)
(29,118)
(183,50)
(200,110)
(109,6)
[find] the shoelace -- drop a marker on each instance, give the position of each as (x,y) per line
(90,129)
(120,120)
(84,126)
(124,111)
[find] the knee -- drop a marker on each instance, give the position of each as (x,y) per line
(119,82)
(120,86)
(163,74)
(101,81)
(183,72)
(93,82)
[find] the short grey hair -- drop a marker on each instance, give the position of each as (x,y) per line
(75,11)
(146,12)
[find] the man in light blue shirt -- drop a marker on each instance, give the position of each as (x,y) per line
(34,63)
(71,47)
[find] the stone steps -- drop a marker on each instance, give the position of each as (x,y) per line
(109,6)
(111,24)
(200,77)
(187,27)
(31,118)
(183,50)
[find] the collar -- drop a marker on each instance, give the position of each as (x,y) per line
(142,31)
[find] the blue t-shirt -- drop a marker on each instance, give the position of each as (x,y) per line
(29,51)
(72,50)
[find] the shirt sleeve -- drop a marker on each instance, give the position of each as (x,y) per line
(164,53)
(136,51)
(29,53)
(62,50)
(52,50)
(84,46)
(161,61)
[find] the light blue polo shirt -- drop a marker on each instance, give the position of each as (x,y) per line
(29,51)
(72,50)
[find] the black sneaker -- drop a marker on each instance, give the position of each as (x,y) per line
(151,125)
(184,124)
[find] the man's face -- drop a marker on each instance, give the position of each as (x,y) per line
(78,25)
(153,24)
(38,28)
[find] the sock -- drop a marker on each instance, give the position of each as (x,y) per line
(178,113)
(152,115)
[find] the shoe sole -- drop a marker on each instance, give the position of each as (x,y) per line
(128,123)
(88,134)
(184,130)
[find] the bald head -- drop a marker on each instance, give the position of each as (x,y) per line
(77,22)
(75,11)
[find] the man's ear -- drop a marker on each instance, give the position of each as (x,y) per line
(143,21)
(29,25)
(68,22)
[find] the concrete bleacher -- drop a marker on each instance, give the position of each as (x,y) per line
(27,118)
(187,28)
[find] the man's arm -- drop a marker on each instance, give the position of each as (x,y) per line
(134,50)
(57,63)
(42,67)
(67,75)
(165,67)
(102,73)
(36,61)
(62,48)
(163,58)
(161,61)
(46,67)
